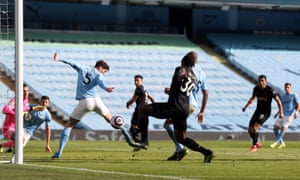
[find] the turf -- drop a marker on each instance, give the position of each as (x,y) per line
(84,160)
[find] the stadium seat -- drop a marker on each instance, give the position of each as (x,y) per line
(228,92)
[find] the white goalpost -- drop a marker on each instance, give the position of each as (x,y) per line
(19,80)
(11,54)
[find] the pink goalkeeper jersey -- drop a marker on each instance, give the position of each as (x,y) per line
(9,111)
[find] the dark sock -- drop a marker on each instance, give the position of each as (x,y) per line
(254,137)
(144,138)
(193,145)
(144,131)
(134,134)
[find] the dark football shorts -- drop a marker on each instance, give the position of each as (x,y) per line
(259,117)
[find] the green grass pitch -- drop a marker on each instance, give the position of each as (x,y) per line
(88,160)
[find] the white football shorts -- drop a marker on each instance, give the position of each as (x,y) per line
(87,105)
(284,122)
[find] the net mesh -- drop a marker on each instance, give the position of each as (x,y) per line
(7,63)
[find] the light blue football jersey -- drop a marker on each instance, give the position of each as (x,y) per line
(289,102)
(34,119)
(200,85)
(88,81)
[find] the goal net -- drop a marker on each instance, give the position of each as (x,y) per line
(7,46)
(7,64)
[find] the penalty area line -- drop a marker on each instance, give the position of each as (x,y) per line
(109,172)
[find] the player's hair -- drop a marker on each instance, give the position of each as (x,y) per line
(138,76)
(287,84)
(103,64)
(262,76)
(45,98)
(189,59)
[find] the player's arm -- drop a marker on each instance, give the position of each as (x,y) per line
(203,106)
(102,84)
(150,97)
(109,89)
(10,107)
(8,110)
(297,110)
(250,101)
(37,108)
(279,104)
(73,65)
(48,138)
(131,101)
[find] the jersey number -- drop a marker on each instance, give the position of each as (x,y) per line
(187,86)
(87,78)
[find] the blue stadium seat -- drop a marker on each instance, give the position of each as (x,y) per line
(275,56)
(228,92)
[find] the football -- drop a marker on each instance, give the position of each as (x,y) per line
(117,121)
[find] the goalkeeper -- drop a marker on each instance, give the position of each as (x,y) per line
(8,127)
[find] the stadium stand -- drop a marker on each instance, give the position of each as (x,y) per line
(280,2)
(155,56)
(273,55)
(204,2)
(156,62)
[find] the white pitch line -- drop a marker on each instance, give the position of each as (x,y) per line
(163,177)
(110,172)
(4,162)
